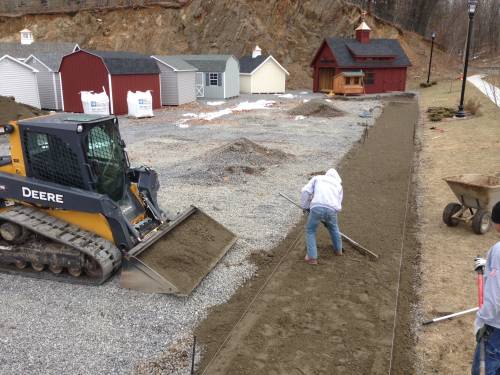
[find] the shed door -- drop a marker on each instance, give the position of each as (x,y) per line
(200,87)
(326,79)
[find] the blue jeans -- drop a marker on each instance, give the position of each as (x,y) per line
(491,353)
(329,218)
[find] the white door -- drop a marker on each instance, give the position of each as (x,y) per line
(200,87)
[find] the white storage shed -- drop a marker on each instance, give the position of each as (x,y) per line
(49,79)
(19,80)
(177,79)
(262,74)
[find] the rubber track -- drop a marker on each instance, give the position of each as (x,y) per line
(106,254)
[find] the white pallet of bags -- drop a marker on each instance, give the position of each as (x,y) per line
(95,103)
(140,104)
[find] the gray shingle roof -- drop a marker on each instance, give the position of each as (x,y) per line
(118,62)
(340,49)
(248,64)
(207,63)
(370,49)
(22,51)
(52,60)
(176,63)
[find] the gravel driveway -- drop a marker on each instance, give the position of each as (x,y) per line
(52,328)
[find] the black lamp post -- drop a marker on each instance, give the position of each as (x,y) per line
(472,9)
(433,36)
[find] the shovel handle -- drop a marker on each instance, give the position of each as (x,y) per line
(480,287)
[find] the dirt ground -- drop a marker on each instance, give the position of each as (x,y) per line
(10,110)
(448,280)
(337,317)
(190,251)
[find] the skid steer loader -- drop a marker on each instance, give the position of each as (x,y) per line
(72,209)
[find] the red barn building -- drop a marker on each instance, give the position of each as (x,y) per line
(116,72)
(382,61)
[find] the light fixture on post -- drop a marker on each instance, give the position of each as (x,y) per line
(433,37)
(472,4)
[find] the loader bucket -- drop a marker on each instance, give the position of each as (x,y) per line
(177,256)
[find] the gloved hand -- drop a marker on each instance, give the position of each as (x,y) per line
(479,263)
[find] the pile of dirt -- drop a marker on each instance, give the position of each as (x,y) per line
(235,161)
(436,114)
(316,108)
(10,110)
(187,253)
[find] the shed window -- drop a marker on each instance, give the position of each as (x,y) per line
(370,78)
(214,79)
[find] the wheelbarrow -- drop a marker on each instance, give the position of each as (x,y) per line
(477,195)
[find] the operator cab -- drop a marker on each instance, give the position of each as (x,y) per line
(80,151)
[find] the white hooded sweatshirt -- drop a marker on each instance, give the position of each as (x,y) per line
(490,312)
(323,191)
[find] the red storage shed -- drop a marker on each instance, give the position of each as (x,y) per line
(383,62)
(116,72)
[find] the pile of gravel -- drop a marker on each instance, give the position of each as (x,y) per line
(316,108)
(177,356)
(233,162)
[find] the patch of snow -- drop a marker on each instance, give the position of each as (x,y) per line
(491,91)
(216,103)
(328,100)
(286,96)
(304,92)
(305,100)
(248,106)
(300,117)
(243,106)
(209,116)
(183,126)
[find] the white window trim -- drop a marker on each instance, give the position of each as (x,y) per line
(62,93)
(224,83)
(159,80)
(110,95)
(55,89)
(210,79)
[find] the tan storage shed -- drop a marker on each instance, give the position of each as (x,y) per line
(262,74)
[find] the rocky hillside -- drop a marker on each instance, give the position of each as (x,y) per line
(291,30)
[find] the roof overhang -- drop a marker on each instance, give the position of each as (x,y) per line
(263,62)
(32,56)
(13,59)
(172,67)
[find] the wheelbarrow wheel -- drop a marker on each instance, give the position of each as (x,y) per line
(448,212)
(481,222)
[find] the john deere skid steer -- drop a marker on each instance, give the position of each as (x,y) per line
(72,209)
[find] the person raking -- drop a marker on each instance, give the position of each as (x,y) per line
(322,198)
(487,324)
